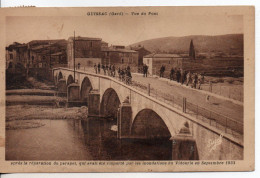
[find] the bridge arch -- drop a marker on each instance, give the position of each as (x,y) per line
(86,87)
(110,103)
(147,123)
(70,80)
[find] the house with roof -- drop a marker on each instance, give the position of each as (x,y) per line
(155,61)
(46,53)
(87,51)
(119,56)
(142,51)
(16,55)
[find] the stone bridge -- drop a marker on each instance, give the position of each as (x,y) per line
(142,116)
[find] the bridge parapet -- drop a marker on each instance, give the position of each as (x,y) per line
(172,117)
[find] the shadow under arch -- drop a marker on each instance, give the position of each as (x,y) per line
(149,124)
(86,87)
(70,80)
(10,65)
(110,103)
(60,76)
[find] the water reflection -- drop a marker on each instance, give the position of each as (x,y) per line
(89,139)
(100,138)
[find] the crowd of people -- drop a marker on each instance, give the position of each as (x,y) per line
(124,73)
(184,77)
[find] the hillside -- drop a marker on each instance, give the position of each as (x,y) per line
(230,44)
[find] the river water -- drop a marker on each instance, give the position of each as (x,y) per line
(88,139)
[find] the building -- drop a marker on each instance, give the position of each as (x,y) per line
(16,56)
(47,53)
(155,61)
(87,51)
(119,56)
(210,65)
(36,58)
(104,44)
(141,53)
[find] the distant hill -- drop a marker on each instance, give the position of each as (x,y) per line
(230,44)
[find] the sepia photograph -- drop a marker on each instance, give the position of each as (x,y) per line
(127,84)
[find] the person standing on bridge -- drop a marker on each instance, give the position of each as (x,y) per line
(200,80)
(162,71)
(171,74)
(188,78)
(128,77)
(122,75)
(178,75)
(104,70)
(128,68)
(95,67)
(145,68)
(98,68)
(195,80)
(182,76)
(109,70)
(113,71)
(119,73)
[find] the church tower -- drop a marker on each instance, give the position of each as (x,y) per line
(192,51)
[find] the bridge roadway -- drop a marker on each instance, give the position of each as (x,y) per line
(219,105)
(148,117)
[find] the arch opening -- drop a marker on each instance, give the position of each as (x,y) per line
(10,65)
(60,76)
(149,124)
(86,87)
(70,80)
(110,103)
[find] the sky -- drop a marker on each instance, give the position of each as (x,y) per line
(119,30)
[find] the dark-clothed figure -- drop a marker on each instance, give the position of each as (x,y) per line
(110,70)
(119,73)
(178,75)
(145,70)
(122,75)
(104,69)
(128,77)
(185,76)
(182,76)
(171,74)
(99,68)
(200,80)
(195,80)
(162,70)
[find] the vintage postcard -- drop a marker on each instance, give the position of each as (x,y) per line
(127,89)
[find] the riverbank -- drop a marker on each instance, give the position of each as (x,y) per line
(29,112)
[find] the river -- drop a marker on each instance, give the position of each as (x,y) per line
(80,139)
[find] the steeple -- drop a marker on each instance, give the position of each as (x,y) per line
(192,51)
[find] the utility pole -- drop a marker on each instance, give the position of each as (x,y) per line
(74,56)
(50,57)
